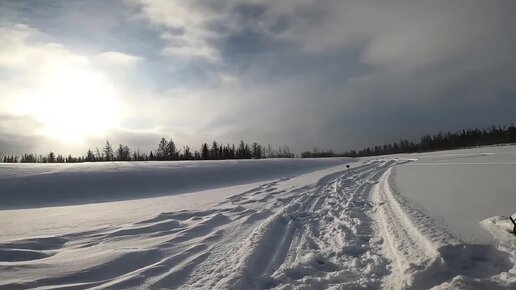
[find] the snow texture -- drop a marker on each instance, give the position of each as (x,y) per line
(460,188)
(29,185)
(329,228)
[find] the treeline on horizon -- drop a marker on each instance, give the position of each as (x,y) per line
(165,151)
(441,141)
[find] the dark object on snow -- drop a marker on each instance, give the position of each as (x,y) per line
(514,223)
(347,166)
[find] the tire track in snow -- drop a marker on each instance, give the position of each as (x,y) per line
(314,238)
(348,230)
(425,254)
(262,238)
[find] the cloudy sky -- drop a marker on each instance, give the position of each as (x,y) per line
(332,74)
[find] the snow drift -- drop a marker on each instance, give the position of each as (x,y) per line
(30,185)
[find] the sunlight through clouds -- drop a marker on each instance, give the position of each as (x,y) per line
(60,89)
(71,103)
(335,74)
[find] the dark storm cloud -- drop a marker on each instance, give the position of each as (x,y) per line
(440,65)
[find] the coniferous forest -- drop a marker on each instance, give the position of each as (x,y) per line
(167,150)
(441,141)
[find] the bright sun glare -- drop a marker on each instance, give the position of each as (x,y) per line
(72,104)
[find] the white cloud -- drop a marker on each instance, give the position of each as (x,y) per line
(18,51)
(187,27)
(118,58)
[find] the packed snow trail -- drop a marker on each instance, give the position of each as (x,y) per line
(348,230)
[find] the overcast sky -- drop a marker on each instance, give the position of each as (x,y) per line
(332,74)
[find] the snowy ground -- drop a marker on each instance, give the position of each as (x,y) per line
(324,229)
(39,185)
(462,187)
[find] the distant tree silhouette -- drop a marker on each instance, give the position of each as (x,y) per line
(214,151)
(60,159)
(440,141)
(171,151)
(98,155)
(187,154)
(161,152)
(205,152)
(240,153)
(316,153)
(123,153)
(167,150)
(71,159)
(269,152)
(28,158)
(51,158)
(90,157)
(256,151)
(108,152)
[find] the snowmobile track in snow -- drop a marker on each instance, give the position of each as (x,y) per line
(348,230)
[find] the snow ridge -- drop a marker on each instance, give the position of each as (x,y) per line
(425,255)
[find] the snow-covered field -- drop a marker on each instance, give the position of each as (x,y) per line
(397,222)
(31,185)
(462,187)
